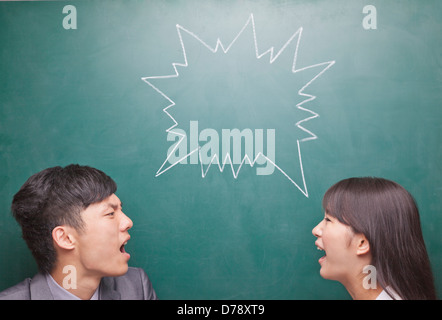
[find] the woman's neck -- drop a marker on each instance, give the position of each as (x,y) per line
(361,288)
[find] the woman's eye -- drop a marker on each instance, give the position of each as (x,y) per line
(327,219)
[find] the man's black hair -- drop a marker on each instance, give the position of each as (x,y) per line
(53,197)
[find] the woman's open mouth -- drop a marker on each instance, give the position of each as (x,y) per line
(324,256)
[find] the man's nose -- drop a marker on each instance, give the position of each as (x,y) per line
(126,223)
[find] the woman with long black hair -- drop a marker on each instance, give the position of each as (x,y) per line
(372,230)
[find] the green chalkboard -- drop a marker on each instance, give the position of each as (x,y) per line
(223,124)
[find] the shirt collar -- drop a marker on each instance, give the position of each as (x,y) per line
(384,295)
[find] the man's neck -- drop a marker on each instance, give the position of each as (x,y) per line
(75,282)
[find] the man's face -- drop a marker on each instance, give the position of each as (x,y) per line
(101,244)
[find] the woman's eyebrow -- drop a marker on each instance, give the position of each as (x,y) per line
(328,215)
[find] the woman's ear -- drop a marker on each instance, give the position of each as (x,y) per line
(63,237)
(363,246)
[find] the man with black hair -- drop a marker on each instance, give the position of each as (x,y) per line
(74,225)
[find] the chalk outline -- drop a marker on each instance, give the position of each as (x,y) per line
(301,92)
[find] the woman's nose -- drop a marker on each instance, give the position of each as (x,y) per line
(317,231)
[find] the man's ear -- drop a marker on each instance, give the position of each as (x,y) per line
(64,237)
(363,246)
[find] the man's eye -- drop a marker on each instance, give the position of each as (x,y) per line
(110,214)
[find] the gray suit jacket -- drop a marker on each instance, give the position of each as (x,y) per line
(134,285)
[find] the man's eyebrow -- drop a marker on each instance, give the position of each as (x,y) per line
(115,206)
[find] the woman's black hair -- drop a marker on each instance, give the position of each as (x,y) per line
(388,216)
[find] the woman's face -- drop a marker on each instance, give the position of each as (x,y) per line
(337,241)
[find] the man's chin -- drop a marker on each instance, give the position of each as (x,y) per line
(121,271)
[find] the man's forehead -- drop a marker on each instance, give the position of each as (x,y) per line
(110,202)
